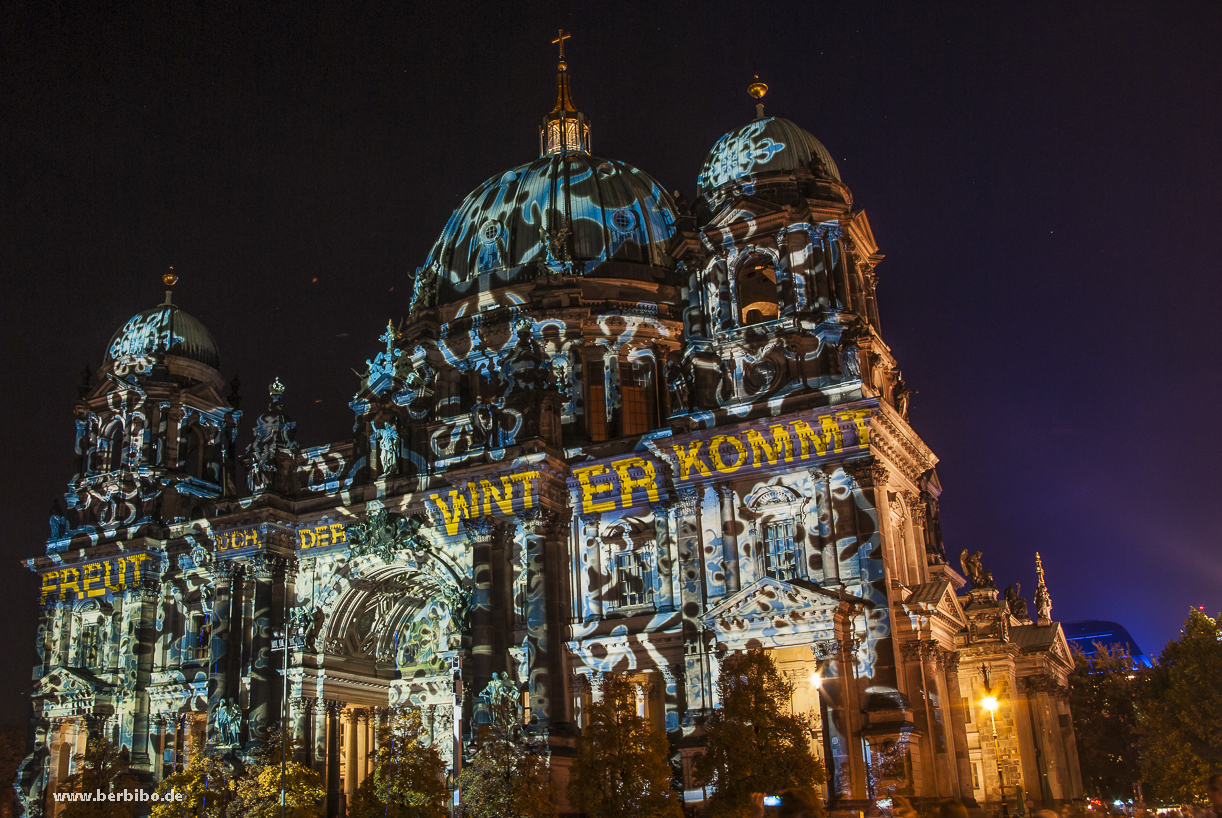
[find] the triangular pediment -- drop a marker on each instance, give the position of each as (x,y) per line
(68,681)
(936,599)
(768,597)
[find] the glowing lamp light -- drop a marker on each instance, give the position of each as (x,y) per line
(989,703)
(816,680)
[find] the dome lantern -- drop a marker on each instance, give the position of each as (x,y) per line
(565,130)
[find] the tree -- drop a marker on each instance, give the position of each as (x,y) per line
(508,777)
(753,744)
(102,767)
(256,793)
(1180,716)
(1104,692)
(408,780)
(12,751)
(621,768)
(206,786)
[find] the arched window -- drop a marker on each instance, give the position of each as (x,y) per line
(108,455)
(757,292)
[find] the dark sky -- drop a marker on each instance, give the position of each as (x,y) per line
(1043,177)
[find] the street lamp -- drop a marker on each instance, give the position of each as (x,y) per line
(283,643)
(990,704)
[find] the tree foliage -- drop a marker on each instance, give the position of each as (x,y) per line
(408,780)
(508,776)
(1180,723)
(207,787)
(1104,693)
(106,767)
(12,751)
(752,743)
(621,768)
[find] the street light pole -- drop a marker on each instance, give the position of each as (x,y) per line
(283,642)
(989,703)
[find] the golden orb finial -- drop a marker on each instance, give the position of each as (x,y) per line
(757,89)
(169,279)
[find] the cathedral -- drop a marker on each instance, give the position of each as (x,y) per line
(613,432)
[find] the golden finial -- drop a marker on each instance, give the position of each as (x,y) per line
(757,89)
(560,38)
(169,279)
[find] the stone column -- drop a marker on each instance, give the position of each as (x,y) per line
(263,677)
(734,557)
(826,516)
(351,760)
(318,753)
(589,564)
(536,525)
(144,603)
(333,711)
(301,729)
(958,727)
(480,532)
(361,728)
(223,573)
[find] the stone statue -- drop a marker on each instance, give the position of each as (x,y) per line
(500,691)
(386,449)
(678,388)
(227,719)
(975,571)
(274,432)
(850,361)
(902,396)
(59,524)
(1016,603)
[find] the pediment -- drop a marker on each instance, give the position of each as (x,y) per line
(936,599)
(768,597)
(66,682)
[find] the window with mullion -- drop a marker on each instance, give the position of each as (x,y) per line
(780,553)
(634,578)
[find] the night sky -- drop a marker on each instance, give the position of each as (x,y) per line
(1043,178)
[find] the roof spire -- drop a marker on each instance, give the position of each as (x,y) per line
(757,89)
(565,129)
(1043,602)
(169,280)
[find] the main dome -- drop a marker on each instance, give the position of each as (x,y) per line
(164,330)
(772,145)
(562,211)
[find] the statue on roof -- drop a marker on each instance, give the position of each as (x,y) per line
(975,571)
(1016,603)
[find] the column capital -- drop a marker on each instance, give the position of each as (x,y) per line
(867,472)
(687,501)
(480,529)
(537,521)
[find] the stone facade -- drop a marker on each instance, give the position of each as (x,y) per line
(615,433)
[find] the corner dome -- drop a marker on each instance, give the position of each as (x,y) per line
(163,330)
(764,146)
(566,212)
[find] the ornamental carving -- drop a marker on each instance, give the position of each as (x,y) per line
(383,535)
(867,472)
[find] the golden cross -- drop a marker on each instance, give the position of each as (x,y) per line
(560,41)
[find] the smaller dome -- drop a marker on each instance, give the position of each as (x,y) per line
(772,145)
(164,330)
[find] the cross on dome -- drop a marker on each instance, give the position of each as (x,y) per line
(560,38)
